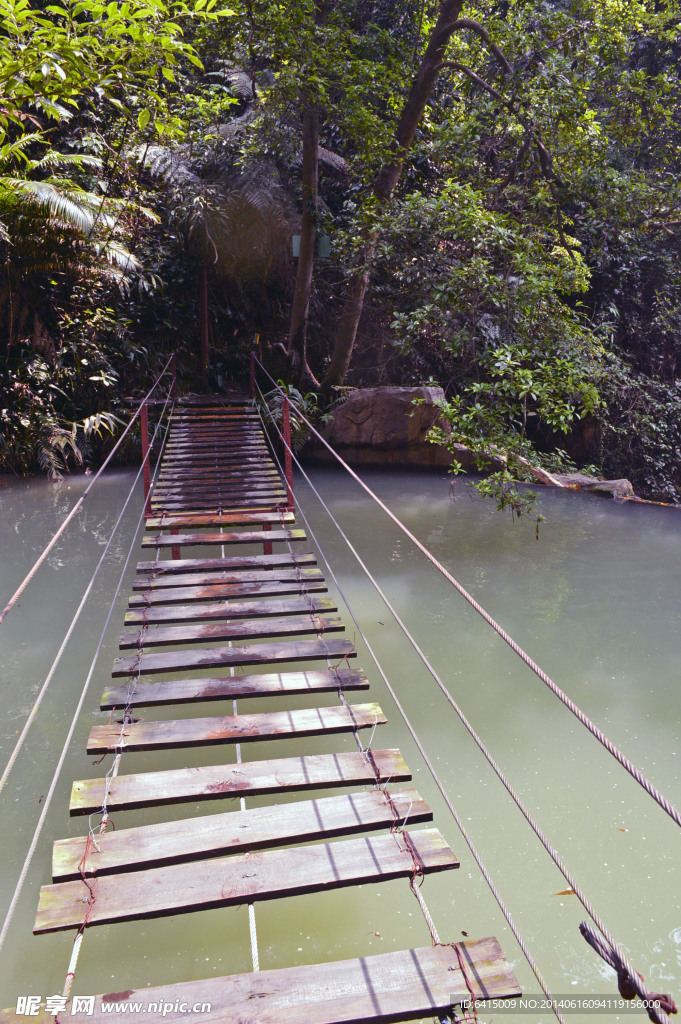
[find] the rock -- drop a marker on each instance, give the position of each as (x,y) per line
(382,426)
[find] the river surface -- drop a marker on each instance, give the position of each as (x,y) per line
(595,600)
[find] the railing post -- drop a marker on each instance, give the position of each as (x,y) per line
(146,472)
(286,424)
(251,379)
(173,374)
(267,544)
(175,551)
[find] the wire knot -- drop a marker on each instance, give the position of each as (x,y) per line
(629,982)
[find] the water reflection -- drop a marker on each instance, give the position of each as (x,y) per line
(596,601)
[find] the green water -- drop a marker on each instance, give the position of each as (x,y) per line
(596,601)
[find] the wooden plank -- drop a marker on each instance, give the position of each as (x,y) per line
(168,566)
(207,732)
(227,591)
(150,615)
(212,504)
(161,540)
(231,580)
(226,519)
(254,778)
(181,474)
(174,842)
(266,684)
(247,878)
(246,629)
(215,657)
(215,490)
(398,986)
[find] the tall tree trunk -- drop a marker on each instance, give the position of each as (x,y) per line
(297,337)
(386,180)
(203,324)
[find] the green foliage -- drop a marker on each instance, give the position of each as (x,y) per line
(302,407)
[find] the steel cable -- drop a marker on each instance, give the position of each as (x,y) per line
(628,765)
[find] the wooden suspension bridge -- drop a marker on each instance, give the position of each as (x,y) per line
(218,487)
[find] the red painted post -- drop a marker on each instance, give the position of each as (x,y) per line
(267,544)
(146,472)
(174,551)
(286,423)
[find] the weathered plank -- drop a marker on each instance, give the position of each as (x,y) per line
(226,519)
(206,732)
(229,492)
(211,504)
(231,580)
(215,657)
(164,540)
(254,778)
(246,629)
(170,566)
(206,612)
(398,986)
(173,842)
(217,474)
(227,591)
(247,878)
(266,684)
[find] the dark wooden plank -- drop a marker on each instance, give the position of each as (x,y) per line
(217,474)
(232,580)
(247,878)
(246,629)
(250,504)
(215,657)
(207,520)
(227,489)
(165,540)
(175,842)
(206,732)
(266,684)
(254,778)
(169,566)
(215,503)
(383,989)
(223,592)
(211,611)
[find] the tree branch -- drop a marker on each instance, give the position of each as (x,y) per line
(475,26)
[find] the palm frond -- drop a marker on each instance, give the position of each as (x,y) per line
(54,159)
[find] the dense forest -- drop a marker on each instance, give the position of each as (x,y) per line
(484,196)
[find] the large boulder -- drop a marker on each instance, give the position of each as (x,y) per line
(382,426)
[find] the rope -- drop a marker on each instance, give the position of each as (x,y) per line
(628,765)
(443,792)
(629,982)
(69,633)
(555,857)
(79,504)
(60,763)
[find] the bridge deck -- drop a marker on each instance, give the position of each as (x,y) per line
(218,484)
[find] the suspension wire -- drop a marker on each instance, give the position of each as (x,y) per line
(253,933)
(81,700)
(615,951)
(69,632)
(79,504)
(628,765)
(438,782)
